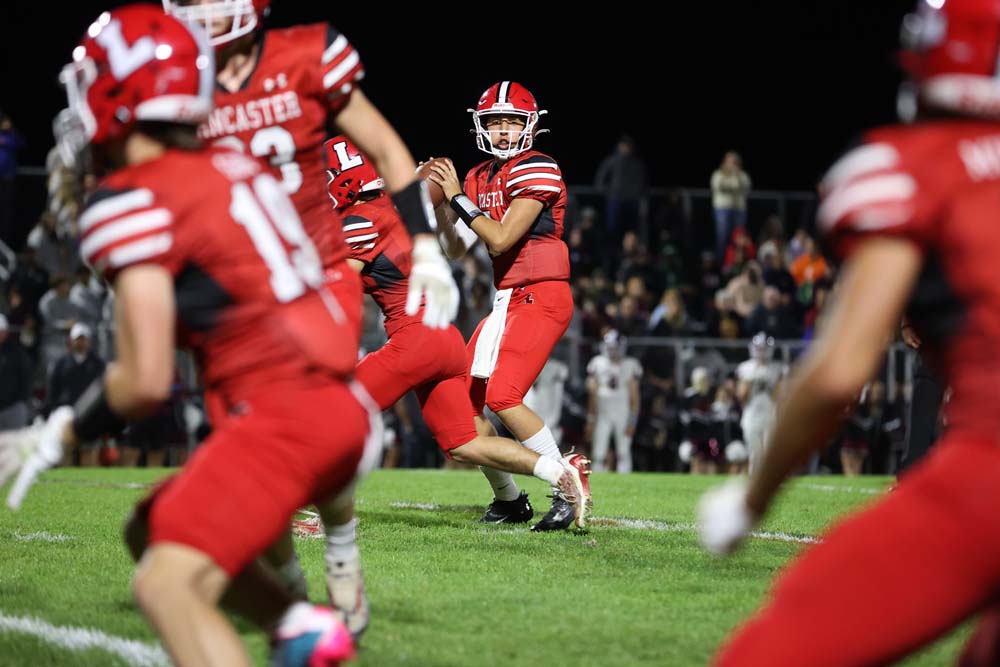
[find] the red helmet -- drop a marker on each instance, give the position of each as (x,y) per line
(135,63)
(951,50)
(245,16)
(350,172)
(507,98)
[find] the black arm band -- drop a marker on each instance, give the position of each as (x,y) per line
(415,208)
(93,416)
(465,209)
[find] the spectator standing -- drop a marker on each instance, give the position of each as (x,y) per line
(70,376)
(730,187)
(58,314)
(621,178)
(15,389)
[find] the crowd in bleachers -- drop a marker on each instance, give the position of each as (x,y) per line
(646,267)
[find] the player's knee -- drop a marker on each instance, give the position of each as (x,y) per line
(466,453)
(154,583)
(500,397)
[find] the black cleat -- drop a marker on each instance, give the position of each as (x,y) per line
(559,517)
(518,510)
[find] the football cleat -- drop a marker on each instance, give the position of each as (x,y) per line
(574,487)
(518,510)
(318,640)
(559,517)
(345,583)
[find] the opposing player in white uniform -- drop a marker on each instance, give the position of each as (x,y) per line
(546,395)
(758,377)
(613,384)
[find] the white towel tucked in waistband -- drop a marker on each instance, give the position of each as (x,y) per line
(488,345)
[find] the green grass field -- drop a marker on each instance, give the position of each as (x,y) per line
(444,589)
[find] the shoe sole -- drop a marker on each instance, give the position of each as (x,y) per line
(581,510)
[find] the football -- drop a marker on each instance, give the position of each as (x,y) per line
(423,171)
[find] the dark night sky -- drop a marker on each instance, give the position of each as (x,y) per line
(788,84)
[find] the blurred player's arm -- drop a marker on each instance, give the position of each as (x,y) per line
(132,387)
(455,236)
(141,377)
(877,281)
(588,432)
(874,287)
(498,236)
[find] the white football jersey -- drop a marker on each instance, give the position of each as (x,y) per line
(762,376)
(613,377)
(545,396)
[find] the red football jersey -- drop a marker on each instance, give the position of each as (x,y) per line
(540,254)
(303,78)
(248,283)
(938,185)
(375,234)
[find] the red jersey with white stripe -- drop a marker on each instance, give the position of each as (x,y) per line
(248,284)
(937,185)
(303,78)
(540,254)
(375,234)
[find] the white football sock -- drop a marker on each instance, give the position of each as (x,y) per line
(544,444)
(548,470)
(504,486)
(341,541)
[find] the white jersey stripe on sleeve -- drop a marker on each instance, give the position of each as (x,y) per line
(547,188)
(363,237)
(115,206)
(895,188)
(334,49)
(534,165)
(141,249)
(528,177)
(123,228)
(340,71)
(860,161)
(357,225)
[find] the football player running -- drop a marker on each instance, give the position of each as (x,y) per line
(204,250)
(912,211)
(277,92)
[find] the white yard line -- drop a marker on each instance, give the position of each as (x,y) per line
(131,651)
(41,536)
(634,524)
(841,489)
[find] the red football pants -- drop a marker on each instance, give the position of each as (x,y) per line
(432,363)
(295,446)
(537,317)
(892,578)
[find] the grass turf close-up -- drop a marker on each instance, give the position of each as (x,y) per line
(635,589)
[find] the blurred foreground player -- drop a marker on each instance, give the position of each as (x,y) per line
(278,92)
(203,247)
(913,211)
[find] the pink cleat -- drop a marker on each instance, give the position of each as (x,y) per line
(313,637)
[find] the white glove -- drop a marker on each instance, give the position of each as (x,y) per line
(431,279)
(724,519)
(32,451)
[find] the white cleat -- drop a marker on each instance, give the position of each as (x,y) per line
(574,487)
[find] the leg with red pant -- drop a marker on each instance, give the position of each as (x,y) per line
(537,317)
(891,579)
(236,495)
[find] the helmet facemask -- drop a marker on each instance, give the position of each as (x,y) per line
(516,144)
(240,14)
